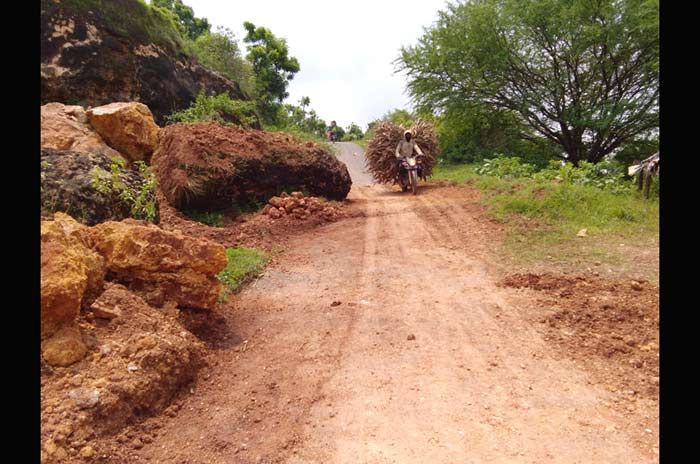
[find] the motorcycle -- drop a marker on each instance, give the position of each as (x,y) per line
(411,169)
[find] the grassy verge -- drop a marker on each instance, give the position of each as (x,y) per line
(544,218)
(243,265)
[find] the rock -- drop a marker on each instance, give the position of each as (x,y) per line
(63,348)
(122,51)
(411,337)
(636,286)
(275,213)
(209,166)
(87,452)
(65,127)
(127,127)
(137,444)
(336,303)
(68,186)
(85,398)
(71,273)
(582,233)
(105,311)
(160,265)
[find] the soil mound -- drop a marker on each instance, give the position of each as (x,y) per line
(210,166)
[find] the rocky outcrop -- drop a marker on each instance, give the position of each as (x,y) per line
(159,265)
(97,52)
(67,128)
(72,274)
(208,166)
(127,127)
(68,185)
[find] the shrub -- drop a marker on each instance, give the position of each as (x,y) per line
(217,108)
(141,200)
(505,167)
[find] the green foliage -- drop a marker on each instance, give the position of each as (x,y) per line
(505,167)
(141,200)
(243,265)
(582,75)
(300,119)
(216,108)
(354,132)
(273,68)
(143,23)
(219,51)
(210,218)
(607,175)
(189,25)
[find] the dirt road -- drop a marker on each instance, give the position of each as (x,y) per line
(384,338)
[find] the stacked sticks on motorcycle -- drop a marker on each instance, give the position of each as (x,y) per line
(380,154)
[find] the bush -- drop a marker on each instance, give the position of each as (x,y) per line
(505,167)
(607,175)
(142,200)
(217,108)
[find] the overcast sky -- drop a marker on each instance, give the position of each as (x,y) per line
(345,49)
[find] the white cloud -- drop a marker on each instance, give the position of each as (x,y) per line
(345,50)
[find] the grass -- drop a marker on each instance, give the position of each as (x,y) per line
(243,265)
(544,218)
(145,23)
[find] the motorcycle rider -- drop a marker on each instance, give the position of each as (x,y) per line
(405,148)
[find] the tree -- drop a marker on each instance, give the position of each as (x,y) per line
(272,65)
(354,132)
(192,27)
(219,51)
(582,74)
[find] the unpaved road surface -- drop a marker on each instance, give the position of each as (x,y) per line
(353,156)
(384,338)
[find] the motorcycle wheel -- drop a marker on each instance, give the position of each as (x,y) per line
(414,181)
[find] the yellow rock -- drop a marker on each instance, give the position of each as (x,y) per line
(71,273)
(64,348)
(66,128)
(127,127)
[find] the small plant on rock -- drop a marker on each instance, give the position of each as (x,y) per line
(141,199)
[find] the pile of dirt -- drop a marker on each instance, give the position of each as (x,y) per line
(109,355)
(599,322)
(381,150)
(138,359)
(255,229)
(209,166)
(299,207)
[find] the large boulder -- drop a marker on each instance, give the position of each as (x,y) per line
(72,275)
(210,166)
(97,52)
(66,127)
(68,185)
(161,266)
(127,127)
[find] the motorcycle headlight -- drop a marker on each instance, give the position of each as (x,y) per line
(412,162)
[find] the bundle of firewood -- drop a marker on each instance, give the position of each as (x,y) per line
(381,150)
